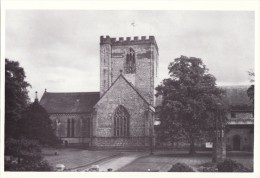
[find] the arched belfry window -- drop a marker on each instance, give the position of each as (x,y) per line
(121,122)
(130,66)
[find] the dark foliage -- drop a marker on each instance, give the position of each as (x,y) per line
(181,167)
(16,96)
(208,167)
(251,89)
(229,165)
(36,125)
(25,156)
(251,93)
(191,101)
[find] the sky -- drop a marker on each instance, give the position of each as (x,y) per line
(59,49)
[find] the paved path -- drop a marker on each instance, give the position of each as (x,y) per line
(120,162)
(117,162)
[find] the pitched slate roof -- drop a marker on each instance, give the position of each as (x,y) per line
(236,97)
(77,102)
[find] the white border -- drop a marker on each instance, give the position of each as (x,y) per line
(245,5)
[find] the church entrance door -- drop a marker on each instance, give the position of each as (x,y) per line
(236,142)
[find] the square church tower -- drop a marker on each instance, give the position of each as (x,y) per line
(124,115)
(136,58)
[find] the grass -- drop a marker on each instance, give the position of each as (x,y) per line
(160,161)
(73,158)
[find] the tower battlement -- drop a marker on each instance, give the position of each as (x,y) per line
(128,40)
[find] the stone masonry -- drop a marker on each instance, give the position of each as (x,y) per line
(121,93)
(134,91)
(112,58)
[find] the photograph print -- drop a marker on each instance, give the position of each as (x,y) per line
(129,90)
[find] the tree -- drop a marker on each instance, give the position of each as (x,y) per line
(190,97)
(251,89)
(16,96)
(166,132)
(23,120)
(36,125)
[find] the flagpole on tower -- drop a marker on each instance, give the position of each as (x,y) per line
(133,24)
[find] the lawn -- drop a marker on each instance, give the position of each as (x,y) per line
(162,161)
(73,158)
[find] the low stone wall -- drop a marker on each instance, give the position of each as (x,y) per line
(126,143)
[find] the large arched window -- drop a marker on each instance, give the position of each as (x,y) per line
(130,62)
(121,122)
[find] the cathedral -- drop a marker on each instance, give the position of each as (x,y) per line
(121,115)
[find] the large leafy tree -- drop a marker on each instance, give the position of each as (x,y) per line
(24,120)
(36,125)
(16,96)
(190,99)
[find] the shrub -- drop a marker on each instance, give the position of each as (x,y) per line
(229,165)
(208,167)
(181,167)
(29,166)
(25,156)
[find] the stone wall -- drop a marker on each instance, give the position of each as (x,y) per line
(105,67)
(246,137)
(121,93)
(81,128)
(146,52)
(128,143)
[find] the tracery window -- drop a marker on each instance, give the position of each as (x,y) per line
(130,66)
(121,122)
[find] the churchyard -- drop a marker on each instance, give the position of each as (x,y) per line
(135,161)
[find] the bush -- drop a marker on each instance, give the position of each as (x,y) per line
(229,165)
(181,167)
(29,166)
(36,125)
(208,167)
(25,156)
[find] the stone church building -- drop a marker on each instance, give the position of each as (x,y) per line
(121,115)
(240,126)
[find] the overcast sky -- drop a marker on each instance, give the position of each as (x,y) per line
(59,49)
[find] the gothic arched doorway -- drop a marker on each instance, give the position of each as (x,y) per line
(236,142)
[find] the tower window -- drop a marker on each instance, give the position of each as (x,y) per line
(104,73)
(121,122)
(130,66)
